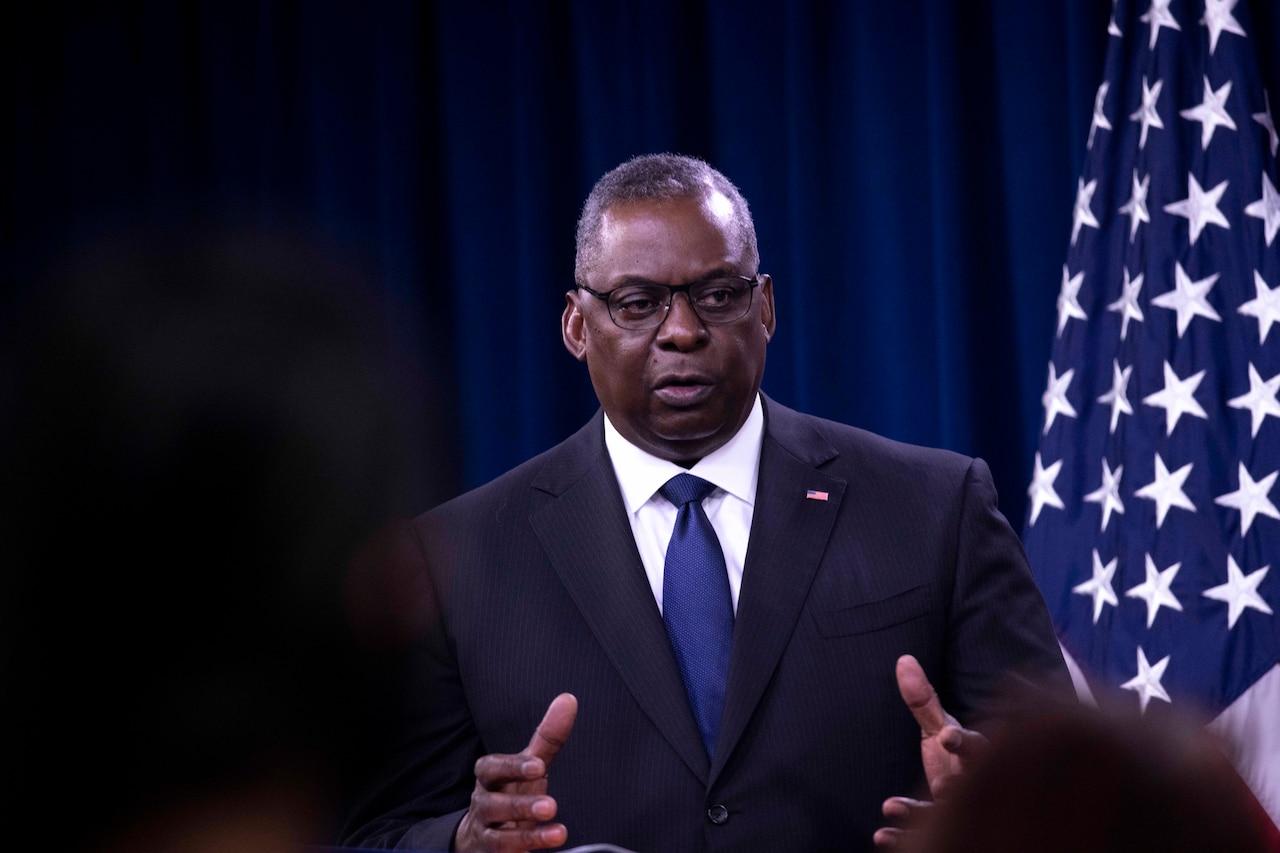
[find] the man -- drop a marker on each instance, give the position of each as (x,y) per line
(758,706)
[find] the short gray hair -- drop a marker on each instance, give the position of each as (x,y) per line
(653,177)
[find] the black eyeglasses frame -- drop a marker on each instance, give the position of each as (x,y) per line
(753,281)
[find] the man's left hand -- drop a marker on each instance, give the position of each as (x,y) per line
(947,749)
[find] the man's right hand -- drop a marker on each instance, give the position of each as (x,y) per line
(510,806)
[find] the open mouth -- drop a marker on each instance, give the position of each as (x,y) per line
(682,392)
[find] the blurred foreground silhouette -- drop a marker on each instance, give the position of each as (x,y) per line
(198,433)
(1068,779)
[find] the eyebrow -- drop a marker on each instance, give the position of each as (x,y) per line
(636,281)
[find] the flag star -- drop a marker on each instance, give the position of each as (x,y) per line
(1054,398)
(1251,498)
(1267,208)
(1200,207)
(1166,490)
(1136,206)
(1108,494)
(1189,298)
(1265,306)
(1239,592)
(1113,29)
(1159,16)
(1099,117)
(1211,112)
(1069,299)
(1147,682)
(1041,490)
(1083,215)
(1127,304)
(1218,18)
(1265,119)
(1261,399)
(1177,398)
(1155,590)
(1118,396)
(1147,113)
(1099,586)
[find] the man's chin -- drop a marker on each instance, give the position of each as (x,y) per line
(687,439)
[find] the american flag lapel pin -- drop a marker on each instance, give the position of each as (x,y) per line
(815,495)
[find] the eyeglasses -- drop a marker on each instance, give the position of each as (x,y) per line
(717,300)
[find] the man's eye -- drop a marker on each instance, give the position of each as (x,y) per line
(715,297)
(637,303)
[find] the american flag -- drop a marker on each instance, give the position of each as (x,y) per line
(1154,518)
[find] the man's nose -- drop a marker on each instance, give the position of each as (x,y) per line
(681,328)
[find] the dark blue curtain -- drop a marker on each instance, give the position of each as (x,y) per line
(911,167)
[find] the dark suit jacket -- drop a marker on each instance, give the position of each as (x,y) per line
(539,589)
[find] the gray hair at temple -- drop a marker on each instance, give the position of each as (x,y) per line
(654,177)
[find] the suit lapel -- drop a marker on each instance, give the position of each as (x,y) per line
(585,533)
(789,534)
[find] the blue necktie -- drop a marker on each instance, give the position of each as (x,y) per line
(696,606)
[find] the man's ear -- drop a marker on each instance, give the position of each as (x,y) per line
(767,317)
(573,327)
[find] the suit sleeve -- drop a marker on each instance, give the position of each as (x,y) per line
(415,783)
(1000,639)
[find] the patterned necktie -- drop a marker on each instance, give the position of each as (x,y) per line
(696,605)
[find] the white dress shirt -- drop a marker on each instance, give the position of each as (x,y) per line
(734,469)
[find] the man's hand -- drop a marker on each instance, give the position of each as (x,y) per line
(510,806)
(946,747)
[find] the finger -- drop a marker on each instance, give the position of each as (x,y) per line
(519,839)
(963,742)
(902,808)
(494,771)
(490,807)
(920,697)
(553,731)
(887,837)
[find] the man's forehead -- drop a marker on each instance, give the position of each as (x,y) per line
(714,204)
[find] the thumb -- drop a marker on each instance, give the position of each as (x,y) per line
(553,731)
(920,697)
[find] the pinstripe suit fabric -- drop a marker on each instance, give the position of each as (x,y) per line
(538,589)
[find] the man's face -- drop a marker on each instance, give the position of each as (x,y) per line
(683,389)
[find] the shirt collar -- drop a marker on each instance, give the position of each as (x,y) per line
(734,467)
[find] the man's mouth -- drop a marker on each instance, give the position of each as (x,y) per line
(683,391)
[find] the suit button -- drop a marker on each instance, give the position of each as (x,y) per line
(718,814)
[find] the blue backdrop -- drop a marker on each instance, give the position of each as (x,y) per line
(911,167)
